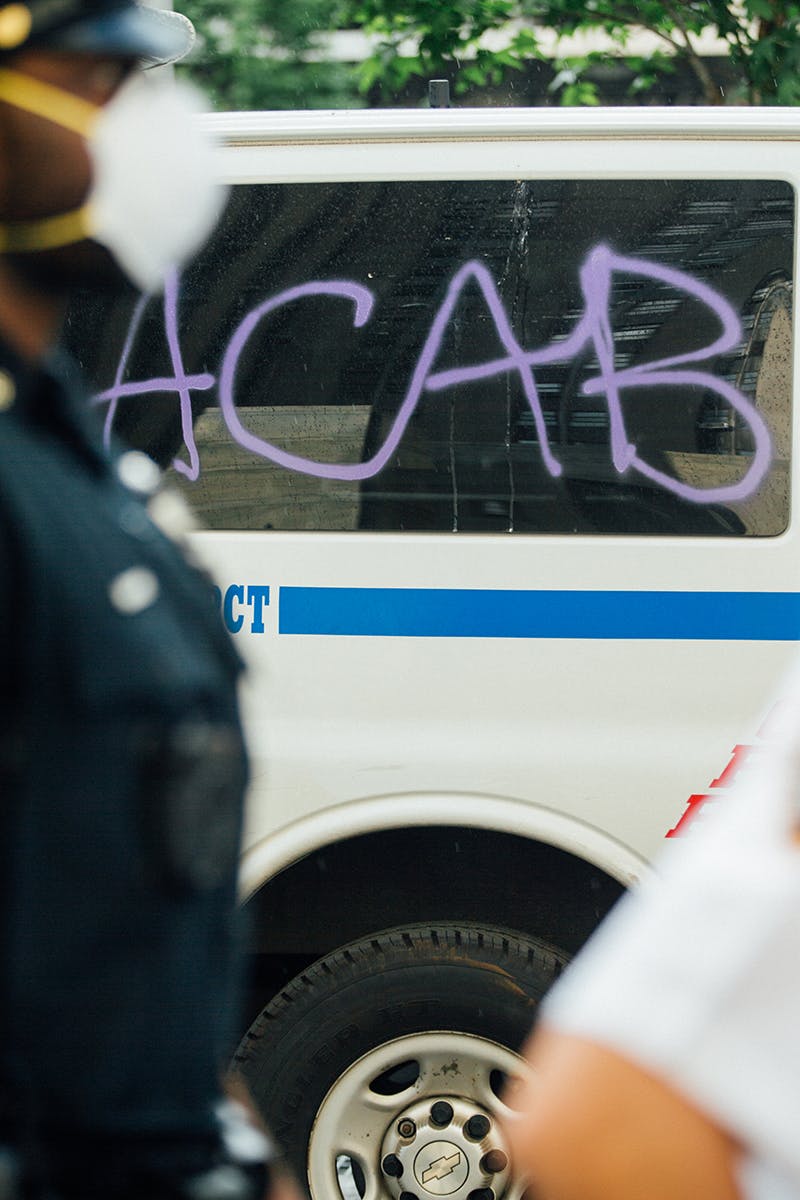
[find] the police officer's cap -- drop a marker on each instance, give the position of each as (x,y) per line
(123,28)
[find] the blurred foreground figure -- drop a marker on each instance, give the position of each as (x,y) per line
(668,1059)
(122,766)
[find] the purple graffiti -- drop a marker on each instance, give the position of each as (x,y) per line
(594,327)
(180,382)
(593,330)
(363,300)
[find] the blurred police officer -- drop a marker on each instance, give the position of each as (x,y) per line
(121,759)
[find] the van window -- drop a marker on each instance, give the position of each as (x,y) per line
(548,356)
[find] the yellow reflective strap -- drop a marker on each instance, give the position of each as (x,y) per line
(21,237)
(46,100)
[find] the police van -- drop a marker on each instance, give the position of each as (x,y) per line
(486,418)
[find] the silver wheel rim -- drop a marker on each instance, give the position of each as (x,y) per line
(356,1127)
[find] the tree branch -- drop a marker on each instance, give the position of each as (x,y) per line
(621,15)
(710,88)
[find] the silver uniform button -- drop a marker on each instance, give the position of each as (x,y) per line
(8,391)
(138,472)
(133,590)
(170,512)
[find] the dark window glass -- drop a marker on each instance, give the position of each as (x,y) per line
(531,357)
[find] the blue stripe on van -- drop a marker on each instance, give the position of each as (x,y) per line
(456,612)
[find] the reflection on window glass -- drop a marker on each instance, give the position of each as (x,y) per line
(491,356)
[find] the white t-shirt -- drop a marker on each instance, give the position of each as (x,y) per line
(697,974)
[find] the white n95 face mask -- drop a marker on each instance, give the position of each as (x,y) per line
(153,199)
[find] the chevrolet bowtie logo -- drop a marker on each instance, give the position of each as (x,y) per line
(441,1167)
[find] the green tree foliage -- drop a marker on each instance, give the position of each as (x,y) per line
(260,53)
(442,34)
(763,37)
(255,54)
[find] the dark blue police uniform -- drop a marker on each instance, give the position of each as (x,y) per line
(121,774)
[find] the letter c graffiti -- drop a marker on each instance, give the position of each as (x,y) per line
(362,299)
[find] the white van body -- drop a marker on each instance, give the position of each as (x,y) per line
(561,699)
(592,743)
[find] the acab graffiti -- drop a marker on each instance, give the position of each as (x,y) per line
(593,330)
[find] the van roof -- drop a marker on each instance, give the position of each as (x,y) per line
(381,125)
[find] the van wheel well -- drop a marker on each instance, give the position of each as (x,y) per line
(359,886)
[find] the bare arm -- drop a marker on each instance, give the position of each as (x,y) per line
(593,1126)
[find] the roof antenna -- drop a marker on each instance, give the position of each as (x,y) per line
(439,93)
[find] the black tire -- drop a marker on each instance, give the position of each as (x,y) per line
(466,979)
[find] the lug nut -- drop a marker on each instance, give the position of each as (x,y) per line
(477,1128)
(494,1161)
(392,1166)
(406,1128)
(481,1194)
(441,1114)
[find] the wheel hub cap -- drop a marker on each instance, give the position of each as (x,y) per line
(445,1146)
(417,1118)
